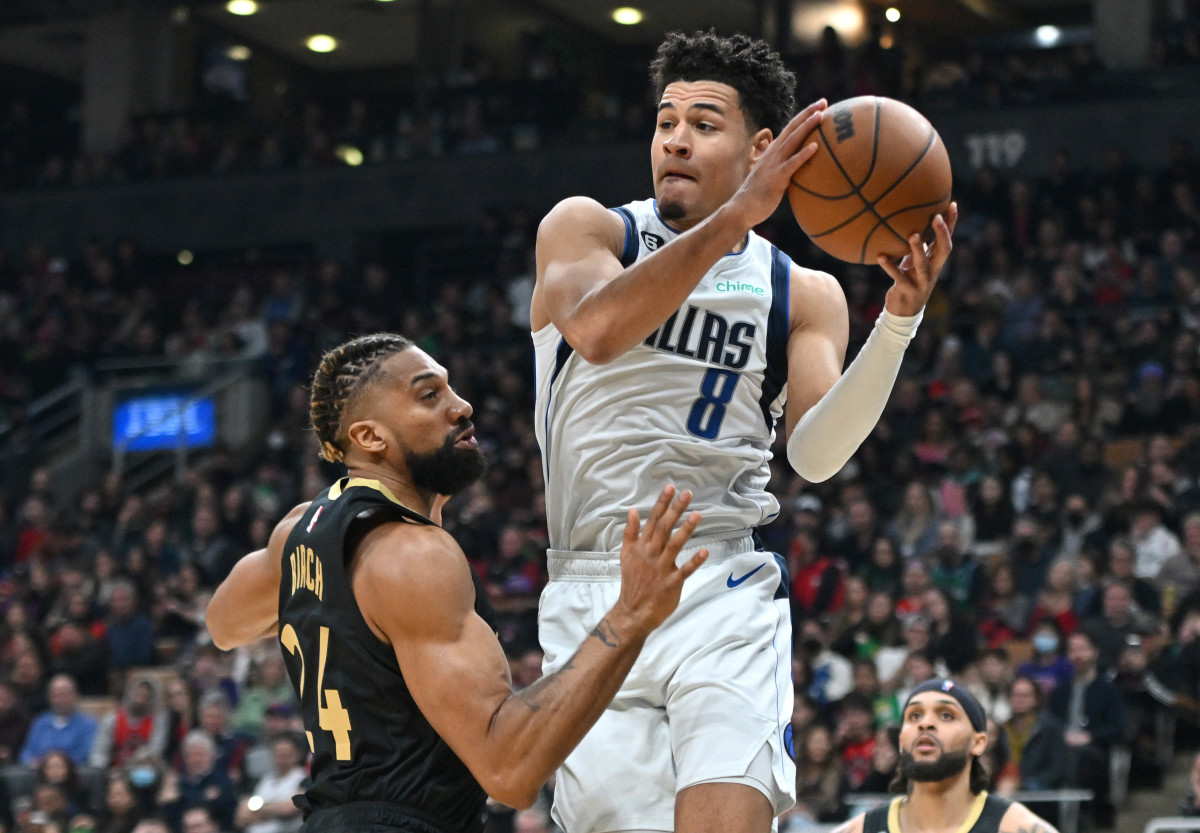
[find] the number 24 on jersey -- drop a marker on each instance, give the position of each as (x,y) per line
(332,716)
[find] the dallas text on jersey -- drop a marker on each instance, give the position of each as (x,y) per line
(716,341)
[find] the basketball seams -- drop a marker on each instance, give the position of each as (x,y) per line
(924,152)
(869,205)
(924,169)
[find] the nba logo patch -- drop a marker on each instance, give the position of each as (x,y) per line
(947,685)
(313,522)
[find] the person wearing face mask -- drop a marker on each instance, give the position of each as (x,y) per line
(144,772)
(1079,526)
(832,674)
(1047,667)
(1030,556)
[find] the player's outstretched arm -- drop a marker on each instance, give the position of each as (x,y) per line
(603,309)
(1020,819)
(829,413)
(423,602)
(245,606)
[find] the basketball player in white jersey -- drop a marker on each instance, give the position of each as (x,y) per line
(669,340)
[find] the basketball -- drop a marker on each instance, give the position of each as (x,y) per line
(880,173)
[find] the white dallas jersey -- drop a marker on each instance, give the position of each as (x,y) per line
(695,404)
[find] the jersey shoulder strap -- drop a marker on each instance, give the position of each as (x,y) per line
(994,808)
(875,820)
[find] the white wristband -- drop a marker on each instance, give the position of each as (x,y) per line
(827,436)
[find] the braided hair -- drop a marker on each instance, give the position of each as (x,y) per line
(343,373)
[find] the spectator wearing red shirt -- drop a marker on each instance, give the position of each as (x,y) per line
(855,737)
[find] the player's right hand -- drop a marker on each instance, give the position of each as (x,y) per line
(650,581)
(768,181)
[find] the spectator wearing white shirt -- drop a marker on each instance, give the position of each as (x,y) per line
(1152,541)
(269,809)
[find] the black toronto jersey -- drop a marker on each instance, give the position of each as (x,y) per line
(985,816)
(370,742)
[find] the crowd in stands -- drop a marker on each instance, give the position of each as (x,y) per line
(1026,516)
(550,100)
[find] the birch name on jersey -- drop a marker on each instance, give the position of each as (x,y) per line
(707,336)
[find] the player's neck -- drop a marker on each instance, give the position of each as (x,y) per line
(409,495)
(938,805)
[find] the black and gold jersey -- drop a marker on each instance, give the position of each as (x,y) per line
(986,814)
(369,741)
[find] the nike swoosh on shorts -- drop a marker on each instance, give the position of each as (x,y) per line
(734,582)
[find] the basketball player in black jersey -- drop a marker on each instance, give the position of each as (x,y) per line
(404,687)
(942,736)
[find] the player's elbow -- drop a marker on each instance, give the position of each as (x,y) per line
(595,346)
(224,636)
(814,471)
(510,788)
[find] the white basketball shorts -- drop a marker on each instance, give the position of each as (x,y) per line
(711,688)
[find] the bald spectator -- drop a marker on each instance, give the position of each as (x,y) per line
(62,727)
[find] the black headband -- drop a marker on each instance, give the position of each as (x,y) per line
(965,699)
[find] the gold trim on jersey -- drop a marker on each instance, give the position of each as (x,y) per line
(968,823)
(335,491)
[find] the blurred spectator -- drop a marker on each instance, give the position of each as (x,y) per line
(269,808)
(1034,737)
(952,639)
(820,786)
(63,727)
(14,724)
(266,686)
(202,783)
(181,716)
(990,686)
(1180,574)
(138,722)
(914,526)
(216,721)
(129,633)
(1048,667)
(120,813)
(57,771)
(1153,543)
(1093,713)
(832,676)
(855,738)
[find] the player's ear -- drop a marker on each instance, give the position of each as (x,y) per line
(759,142)
(979,746)
(365,434)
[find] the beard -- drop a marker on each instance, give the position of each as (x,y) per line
(448,470)
(948,765)
(671,211)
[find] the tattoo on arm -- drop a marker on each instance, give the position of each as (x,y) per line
(606,634)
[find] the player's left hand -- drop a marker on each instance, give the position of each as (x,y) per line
(917,272)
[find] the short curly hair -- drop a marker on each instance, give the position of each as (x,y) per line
(766,89)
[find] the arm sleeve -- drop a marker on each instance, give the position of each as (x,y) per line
(829,433)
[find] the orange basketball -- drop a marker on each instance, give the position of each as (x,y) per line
(880,173)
